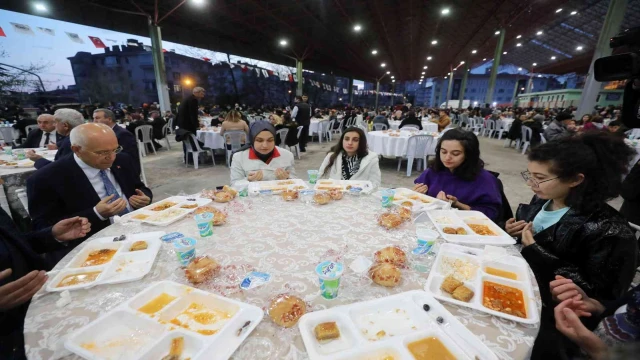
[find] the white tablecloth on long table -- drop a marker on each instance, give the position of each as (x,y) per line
(315,126)
(289,249)
(426,125)
(211,138)
(383,144)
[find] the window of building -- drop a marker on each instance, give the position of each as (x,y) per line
(598,98)
(499,99)
(129,73)
(176,76)
(500,91)
(177,88)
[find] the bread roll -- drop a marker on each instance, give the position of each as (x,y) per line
(390,220)
(385,274)
(201,269)
(392,255)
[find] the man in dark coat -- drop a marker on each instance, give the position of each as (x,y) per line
(301,114)
(187,119)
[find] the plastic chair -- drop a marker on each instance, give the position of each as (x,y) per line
(410,126)
(170,123)
(258,118)
(363,127)
(417,148)
(166,130)
(500,129)
(325,130)
(235,139)
(542,139)
(296,147)
(338,131)
(142,174)
(380,127)
(7,135)
(283,136)
(490,128)
(195,153)
(30,128)
(478,124)
(526,138)
(146,133)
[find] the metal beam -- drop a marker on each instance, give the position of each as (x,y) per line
(464,84)
(494,68)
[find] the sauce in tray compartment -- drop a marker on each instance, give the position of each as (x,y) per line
(504,298)
(157,304)
(429,348)
(501,273)
(201,319)
(77,279)
(99,257)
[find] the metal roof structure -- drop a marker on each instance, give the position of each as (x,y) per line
(322,31)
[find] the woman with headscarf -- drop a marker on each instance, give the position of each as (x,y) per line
(262,160)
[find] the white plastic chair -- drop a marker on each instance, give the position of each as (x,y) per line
(325,132)
(7,135)
(146,133)
(339,129)
(142,174)
(165,133)
(380,127)
(363,127)
(283,136)
(296,147)
(490,128)
(542,139)
(500,129)
(410,126)
(30,128)
(195,153)
(170,123)
(526,138)
(478,124)
(233,138)
(417,148)
(258,118)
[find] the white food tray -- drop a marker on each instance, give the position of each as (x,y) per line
(328,184)
(125,333)
(459,218)
(403,320)
(18,164)
(169,215)
(125,265)
(475,256)
(277,186)
(420,201)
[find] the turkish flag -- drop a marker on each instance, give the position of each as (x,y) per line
(244,69)
(269,72)
(2,33)
(97,42)
(164,50)
(206,59)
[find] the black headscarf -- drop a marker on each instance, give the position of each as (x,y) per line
(256,128)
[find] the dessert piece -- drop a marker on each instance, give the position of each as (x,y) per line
(392,255)
(335,194)
(286,182)
(163,206)
(189,206)
(289,195)
(286,310)
(201,269)
(99,257)
(321,198)
(204,209)
(407,203)
(390,220)
(141,217)
(449,230)
(138,245)
(462,293)
(230,190)
(461,231)
(219,218)
(385,274)
(222,197)
(404,212)
(327,331)
(482,230)
(450,284)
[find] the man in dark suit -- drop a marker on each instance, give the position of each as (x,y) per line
(22,123)
(44,135)
(124,136)
(301,114)
(22,274)
(66,120)
(188,117)
(97,182)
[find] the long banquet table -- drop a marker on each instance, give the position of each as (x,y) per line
(211,138)
(426,125)
(288,246)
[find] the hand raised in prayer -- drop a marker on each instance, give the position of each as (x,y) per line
(281,174)
(106,209)
(421,188)
(255,175)
(31,155)
(71,229)
(569,324)
(139,200)
(514,228)
(527,235)
(20,291)
(564,289)
(442,196)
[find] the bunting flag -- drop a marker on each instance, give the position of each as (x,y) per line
(147,47)
(265,73)
(47,31)
(290,77)
(164,50)
(130,43)
(22,29)
(295,77)
(344,91)
(111,40)
(97,42)
(74,37)
(206,59)
(2,32)
(244,69)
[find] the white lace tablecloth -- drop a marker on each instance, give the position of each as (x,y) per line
(426,125)
(286,240)
(383,144)
(315,126)
(211,139)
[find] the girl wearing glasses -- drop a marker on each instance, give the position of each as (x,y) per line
(568,230)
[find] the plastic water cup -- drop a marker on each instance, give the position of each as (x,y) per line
(426,237)
(7,150)
(203,221)
(185,249)
(329,274)
(313,176)
(387,197)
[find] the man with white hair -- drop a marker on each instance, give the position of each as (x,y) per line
(124,136)
(188,117)
(44,135)
(66,120)
(97,183)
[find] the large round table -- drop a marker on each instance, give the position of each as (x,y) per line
(426,125)
(211,138)
(394,146)
(286,240)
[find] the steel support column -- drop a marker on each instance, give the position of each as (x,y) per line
(448,97)
(494,68)
(159,69)
(610,27)
(463,85)
(351,91)
(299,76)
(377,91)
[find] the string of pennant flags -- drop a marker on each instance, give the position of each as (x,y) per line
(24,29)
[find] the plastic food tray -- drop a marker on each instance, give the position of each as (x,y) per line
(342,185)
(461,219)
(419,201)
(475,256)
(18,164)
(169,215)
(277,186)
(127,333)
(124,266)
(402,318)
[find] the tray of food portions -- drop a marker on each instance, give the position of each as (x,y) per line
(15,164)
(344,185)
(276,186)
(414,200)
(109,260)
(469,227)
(486,280)
(167,211)
(168,321)
(410,325)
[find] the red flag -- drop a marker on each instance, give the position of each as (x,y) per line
(290,78)
(269,72)
(97,42)
(2,33)
(244,69)
(206,59)
(164,50)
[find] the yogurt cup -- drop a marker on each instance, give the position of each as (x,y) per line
(185,249)
(387,197)
(204,223)
(329,274)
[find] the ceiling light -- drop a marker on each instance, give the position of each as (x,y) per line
(425,67)
(522,89)
(539,32)
(429,58)
(574,12)
(198,2)
(393,77)
(504,53)
(519,69)
(374,52)
(393,81)
(357,28)
(497,32)
(553,58)
(423,73)
(579,48)
(474,51)
(557,11)
(283,42)
(539,75)
(388,72)
(518,44)
(445,77)
(383,65)
(434,42)
(448,73)
(461,62)
(40,7)
(485,59)
(518,37)
(445,11)
(535,64)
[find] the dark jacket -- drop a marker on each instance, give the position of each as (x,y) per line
(381,119)
(303,116)
(292,135)
(630,192)
(411,121)
(128,143)
(515,132)
(34,137)
(536,130)
(21,125)
(188,115)
(158,123)
(64,149)
(61,190)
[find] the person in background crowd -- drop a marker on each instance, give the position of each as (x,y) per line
(443,121)
(97,183)
(586,118)
(596,123)
(486,111)
(536,129)
(188,121)
(44,135)
(569,230)
(233,122)
(301,114)
(158,123)
(617,127)
(382,119)
(411,119)
(539,116)
(349,159)
(66,120)
(22,123)
(292,135)
(458,176)
(262,160)
(630,192)
(558,127)
(276,120)
(168,116)
(125,138)
(397,115)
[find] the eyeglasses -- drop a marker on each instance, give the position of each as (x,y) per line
(107,153)
(526,175)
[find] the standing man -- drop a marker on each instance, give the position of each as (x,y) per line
(301,114)
(45,134)
(188,118)
(124,136)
